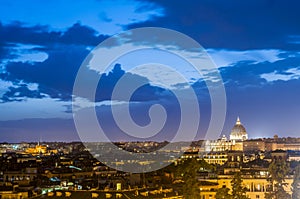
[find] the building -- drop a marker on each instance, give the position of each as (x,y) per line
(38,149)
(21,177)
(238,132)
(219,157)
(254,145)
(256,187)
(286,144)
(221,144)
(238,135)
(254,176)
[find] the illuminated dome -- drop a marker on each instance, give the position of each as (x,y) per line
(238,131)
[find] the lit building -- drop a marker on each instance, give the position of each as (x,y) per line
(254,145)
(221,144)
(237,136)
(256,187)
(286,144)
(254,176)
(38,149)
(238,132)
(216,157)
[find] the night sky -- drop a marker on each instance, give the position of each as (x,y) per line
(255,45)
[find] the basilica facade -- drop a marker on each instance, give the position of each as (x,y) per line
(237,135)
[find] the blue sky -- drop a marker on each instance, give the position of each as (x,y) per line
(254,44)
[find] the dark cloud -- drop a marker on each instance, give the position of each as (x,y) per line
(5,52)
(108,82)
(232,24)
(17,32)
(66,51)
(17,93)
(55,75)
(78,34)
(214,24)
(82,35)
(248,74)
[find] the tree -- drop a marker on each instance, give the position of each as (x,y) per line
(296,184)
(278,170)
(188,171)
(238,190)
(223,193)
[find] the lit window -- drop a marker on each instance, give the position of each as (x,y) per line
(258,187)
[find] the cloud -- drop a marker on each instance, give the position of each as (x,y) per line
(294,39)
(244,74)
(163,69)
(254,43)
(230,57)
(55,75)
(109,82)
(67,50)
(34,108)
(20,33)
(290,74)
(4,51)
(27,53)
(50,59)
(20,93)
(32,86)
(106,17)
(80,103)
(166,58)
(81,35)
(240,25)
(33,54)
(4,86)
(17,32)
